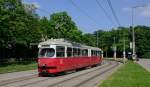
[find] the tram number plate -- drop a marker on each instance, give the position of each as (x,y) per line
(44,70)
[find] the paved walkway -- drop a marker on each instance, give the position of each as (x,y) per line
(145,63)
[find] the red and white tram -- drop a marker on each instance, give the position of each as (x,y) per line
(59,55)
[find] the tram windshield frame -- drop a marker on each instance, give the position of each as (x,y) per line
(47,52)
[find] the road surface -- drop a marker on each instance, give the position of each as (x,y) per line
(145,63)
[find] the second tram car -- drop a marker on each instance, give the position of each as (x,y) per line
(59,55)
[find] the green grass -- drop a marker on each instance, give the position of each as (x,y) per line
(6,68)
(129,75)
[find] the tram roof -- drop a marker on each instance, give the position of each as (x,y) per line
(64,42)
(55,42)
(90,47)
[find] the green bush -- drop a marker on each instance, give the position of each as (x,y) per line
(146,55)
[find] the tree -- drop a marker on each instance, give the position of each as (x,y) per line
(89,39)
(142,38)
(45,28)
(18,28)
(63,26)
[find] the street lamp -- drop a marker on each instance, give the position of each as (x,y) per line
(133,33)
(133,36)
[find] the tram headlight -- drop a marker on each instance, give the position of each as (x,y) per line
(39,61)
(39,46)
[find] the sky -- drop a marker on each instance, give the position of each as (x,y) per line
(89,17)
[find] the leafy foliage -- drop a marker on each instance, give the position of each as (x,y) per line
(17,29)
(20,27)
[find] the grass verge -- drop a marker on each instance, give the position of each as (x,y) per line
(7,68)
(129,75)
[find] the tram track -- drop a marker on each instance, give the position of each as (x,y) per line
(61,82)
(96,75)
(32,83)
(10,81)
(59,77)
(64,78)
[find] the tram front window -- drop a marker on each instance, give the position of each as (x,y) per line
(47,52)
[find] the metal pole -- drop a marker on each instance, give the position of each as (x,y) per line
(133,36)
(124,51)
(97,38)
(102,48)
(115,48)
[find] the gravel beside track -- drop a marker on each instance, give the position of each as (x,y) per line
(14,75)
(9,81)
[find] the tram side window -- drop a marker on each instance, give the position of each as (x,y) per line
(75,52)
(69,51)
(85,52)
(79,52)
(98,53)
(60,51)
(92,52)
(95,53)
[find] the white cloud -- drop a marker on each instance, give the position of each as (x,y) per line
(145,11)
(141,10)
(36,4)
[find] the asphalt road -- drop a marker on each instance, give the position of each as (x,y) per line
(85,78)
(145,63)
